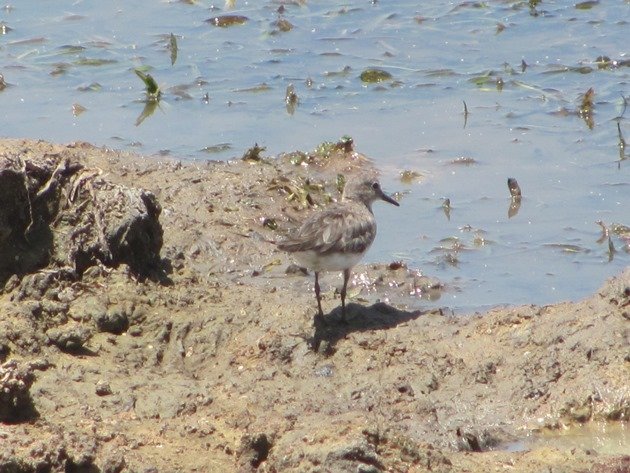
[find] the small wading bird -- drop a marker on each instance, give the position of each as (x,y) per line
(336,238)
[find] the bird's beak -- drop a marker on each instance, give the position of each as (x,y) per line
(389,199)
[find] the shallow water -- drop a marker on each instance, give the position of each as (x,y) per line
(600,437)
(521,69)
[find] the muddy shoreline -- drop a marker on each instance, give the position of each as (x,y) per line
(201,358)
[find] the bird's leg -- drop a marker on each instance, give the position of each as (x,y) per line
(346,277)
(318,295)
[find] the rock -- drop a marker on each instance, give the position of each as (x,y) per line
(69,338)
(16,404)
(103,388)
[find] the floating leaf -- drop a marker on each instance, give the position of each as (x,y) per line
(84,61)
(93,87)
(71,49)
(586,5)
(567,248)
(372,75)
(219,148)
(172,46)
(225,21)
(257,88)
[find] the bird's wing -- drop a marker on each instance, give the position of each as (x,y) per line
(333,229)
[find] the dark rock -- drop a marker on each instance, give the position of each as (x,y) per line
(103,388)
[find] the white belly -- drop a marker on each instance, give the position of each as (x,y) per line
(328,262)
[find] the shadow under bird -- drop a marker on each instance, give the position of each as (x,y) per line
(336,238)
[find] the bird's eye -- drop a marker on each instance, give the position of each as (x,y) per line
(376,186)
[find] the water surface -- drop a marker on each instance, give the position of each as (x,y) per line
(520,68)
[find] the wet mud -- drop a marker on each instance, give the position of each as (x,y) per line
(149,323)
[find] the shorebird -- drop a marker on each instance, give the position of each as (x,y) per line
(337,237)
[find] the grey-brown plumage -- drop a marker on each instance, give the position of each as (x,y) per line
(336,238)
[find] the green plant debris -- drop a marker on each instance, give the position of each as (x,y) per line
(254,153)
(225,21)
(586,108)
(373,75)
(257,88)
(151,86)
(172,46)
(218,148)
(71,49)
(346,144)
(296,190)
(586,5)
(93,87)
(283,25)
(409,177)
(291,99)
(84,61)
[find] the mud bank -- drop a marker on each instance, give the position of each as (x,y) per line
(150,324)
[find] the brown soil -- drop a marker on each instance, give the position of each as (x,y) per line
(190,347)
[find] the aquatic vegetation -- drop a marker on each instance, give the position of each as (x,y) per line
(254,153)
(291,99)
(586,108)
(172,47)
(151,87)
(372,75)
(409,177)
(153,95)
(225,21)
